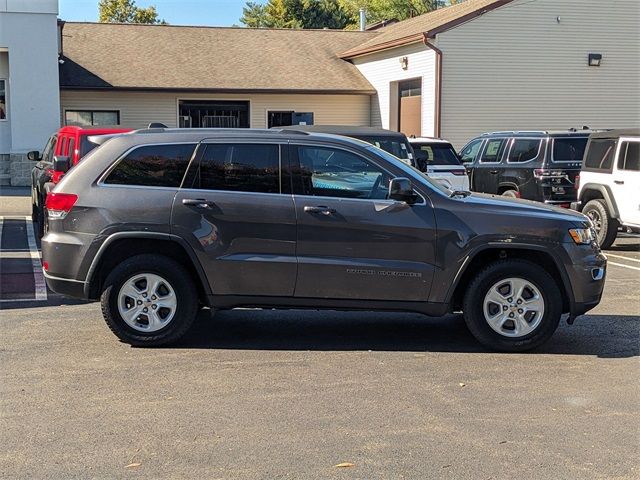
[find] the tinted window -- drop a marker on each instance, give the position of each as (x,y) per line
(493,150)
(469,153)
(395,146)
(153,166)
(86,146)
(329,172)
(71,147)
(629,156)
(241,168)
(435,154)
(524,150)
(49,150)
(600,154)
(569,149)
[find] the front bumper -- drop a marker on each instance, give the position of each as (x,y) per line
(577,206)
(587,277)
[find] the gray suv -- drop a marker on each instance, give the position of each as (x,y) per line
(161,222)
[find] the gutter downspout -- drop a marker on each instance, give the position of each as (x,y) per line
(438,103)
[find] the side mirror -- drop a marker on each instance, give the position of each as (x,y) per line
(33,155)
(61,164)
(401,189)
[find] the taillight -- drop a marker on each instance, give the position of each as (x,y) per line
(576,185)
(460,173)
(60,204)
(56,176)
(45,266)
(49,172)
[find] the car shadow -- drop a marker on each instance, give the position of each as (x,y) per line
(613,336)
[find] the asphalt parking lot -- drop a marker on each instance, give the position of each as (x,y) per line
(290,395)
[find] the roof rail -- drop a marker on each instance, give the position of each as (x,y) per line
(295,132)
(512,132)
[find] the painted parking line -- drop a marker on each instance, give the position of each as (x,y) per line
(625,266)
(622,257)
(22,267)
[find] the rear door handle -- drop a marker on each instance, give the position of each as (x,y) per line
(197,202)
(493,171)
(619,182)
(320,209)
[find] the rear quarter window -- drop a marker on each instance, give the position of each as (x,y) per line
(153,166)
(524,150)
(435,154)
(599,156)
(568,149)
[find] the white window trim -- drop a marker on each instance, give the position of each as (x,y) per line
(90,109)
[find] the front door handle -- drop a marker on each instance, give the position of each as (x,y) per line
(619,182)
(320,209)
(197,202)
(493,171)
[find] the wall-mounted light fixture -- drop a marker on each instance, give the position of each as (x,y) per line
(595,59)
(404,62)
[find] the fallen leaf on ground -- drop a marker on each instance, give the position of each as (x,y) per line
(462,384)
(133,465)
(345,465)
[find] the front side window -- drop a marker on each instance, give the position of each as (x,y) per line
(493,151)
(435,154)
(84,118)
(153,166)
(3,99)
(569,149)
(630,156)
(524,150)
(600,154)
(240,168)
(50,149)
(332,172)
(470,152)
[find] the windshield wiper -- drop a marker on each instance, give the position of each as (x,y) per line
(459,193)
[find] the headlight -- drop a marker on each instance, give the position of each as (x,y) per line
(582,236)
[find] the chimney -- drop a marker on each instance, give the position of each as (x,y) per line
(363,19)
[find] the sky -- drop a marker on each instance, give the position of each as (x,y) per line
(176,12)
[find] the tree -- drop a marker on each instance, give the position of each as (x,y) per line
(296,14)
(126,11)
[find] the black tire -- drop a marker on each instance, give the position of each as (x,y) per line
(510,194)
(473,305)
(179,279)
(606,227)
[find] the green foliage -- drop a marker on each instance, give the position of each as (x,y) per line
(126,11)
(296,14)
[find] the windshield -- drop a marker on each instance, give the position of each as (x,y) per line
(395,146)
(411,171)
(569,149)
(428,154)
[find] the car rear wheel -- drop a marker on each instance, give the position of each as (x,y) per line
(512,305)
(606,227)
(149,300)
(510,194)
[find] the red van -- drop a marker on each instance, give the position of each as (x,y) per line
(71,142)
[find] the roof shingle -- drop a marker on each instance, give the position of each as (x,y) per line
(102,55)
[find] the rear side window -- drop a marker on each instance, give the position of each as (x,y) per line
(395,146)
(600,154)
(569,149)
(629,156)
(240,168)
(435,154)
(86,146)
(524,150)
(493,151)
(153,166)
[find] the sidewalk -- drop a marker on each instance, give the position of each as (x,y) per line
(15,201)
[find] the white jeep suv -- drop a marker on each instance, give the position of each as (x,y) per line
(609,184)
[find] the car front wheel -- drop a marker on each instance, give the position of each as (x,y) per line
(512,305)
(149,300)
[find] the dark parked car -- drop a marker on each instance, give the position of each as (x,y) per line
(396,143)
(157,223)
(540,166)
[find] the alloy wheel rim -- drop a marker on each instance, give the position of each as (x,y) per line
(595,219)
(147,302)
(513,307)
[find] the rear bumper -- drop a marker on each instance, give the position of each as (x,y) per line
(65,286)
(577,206)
